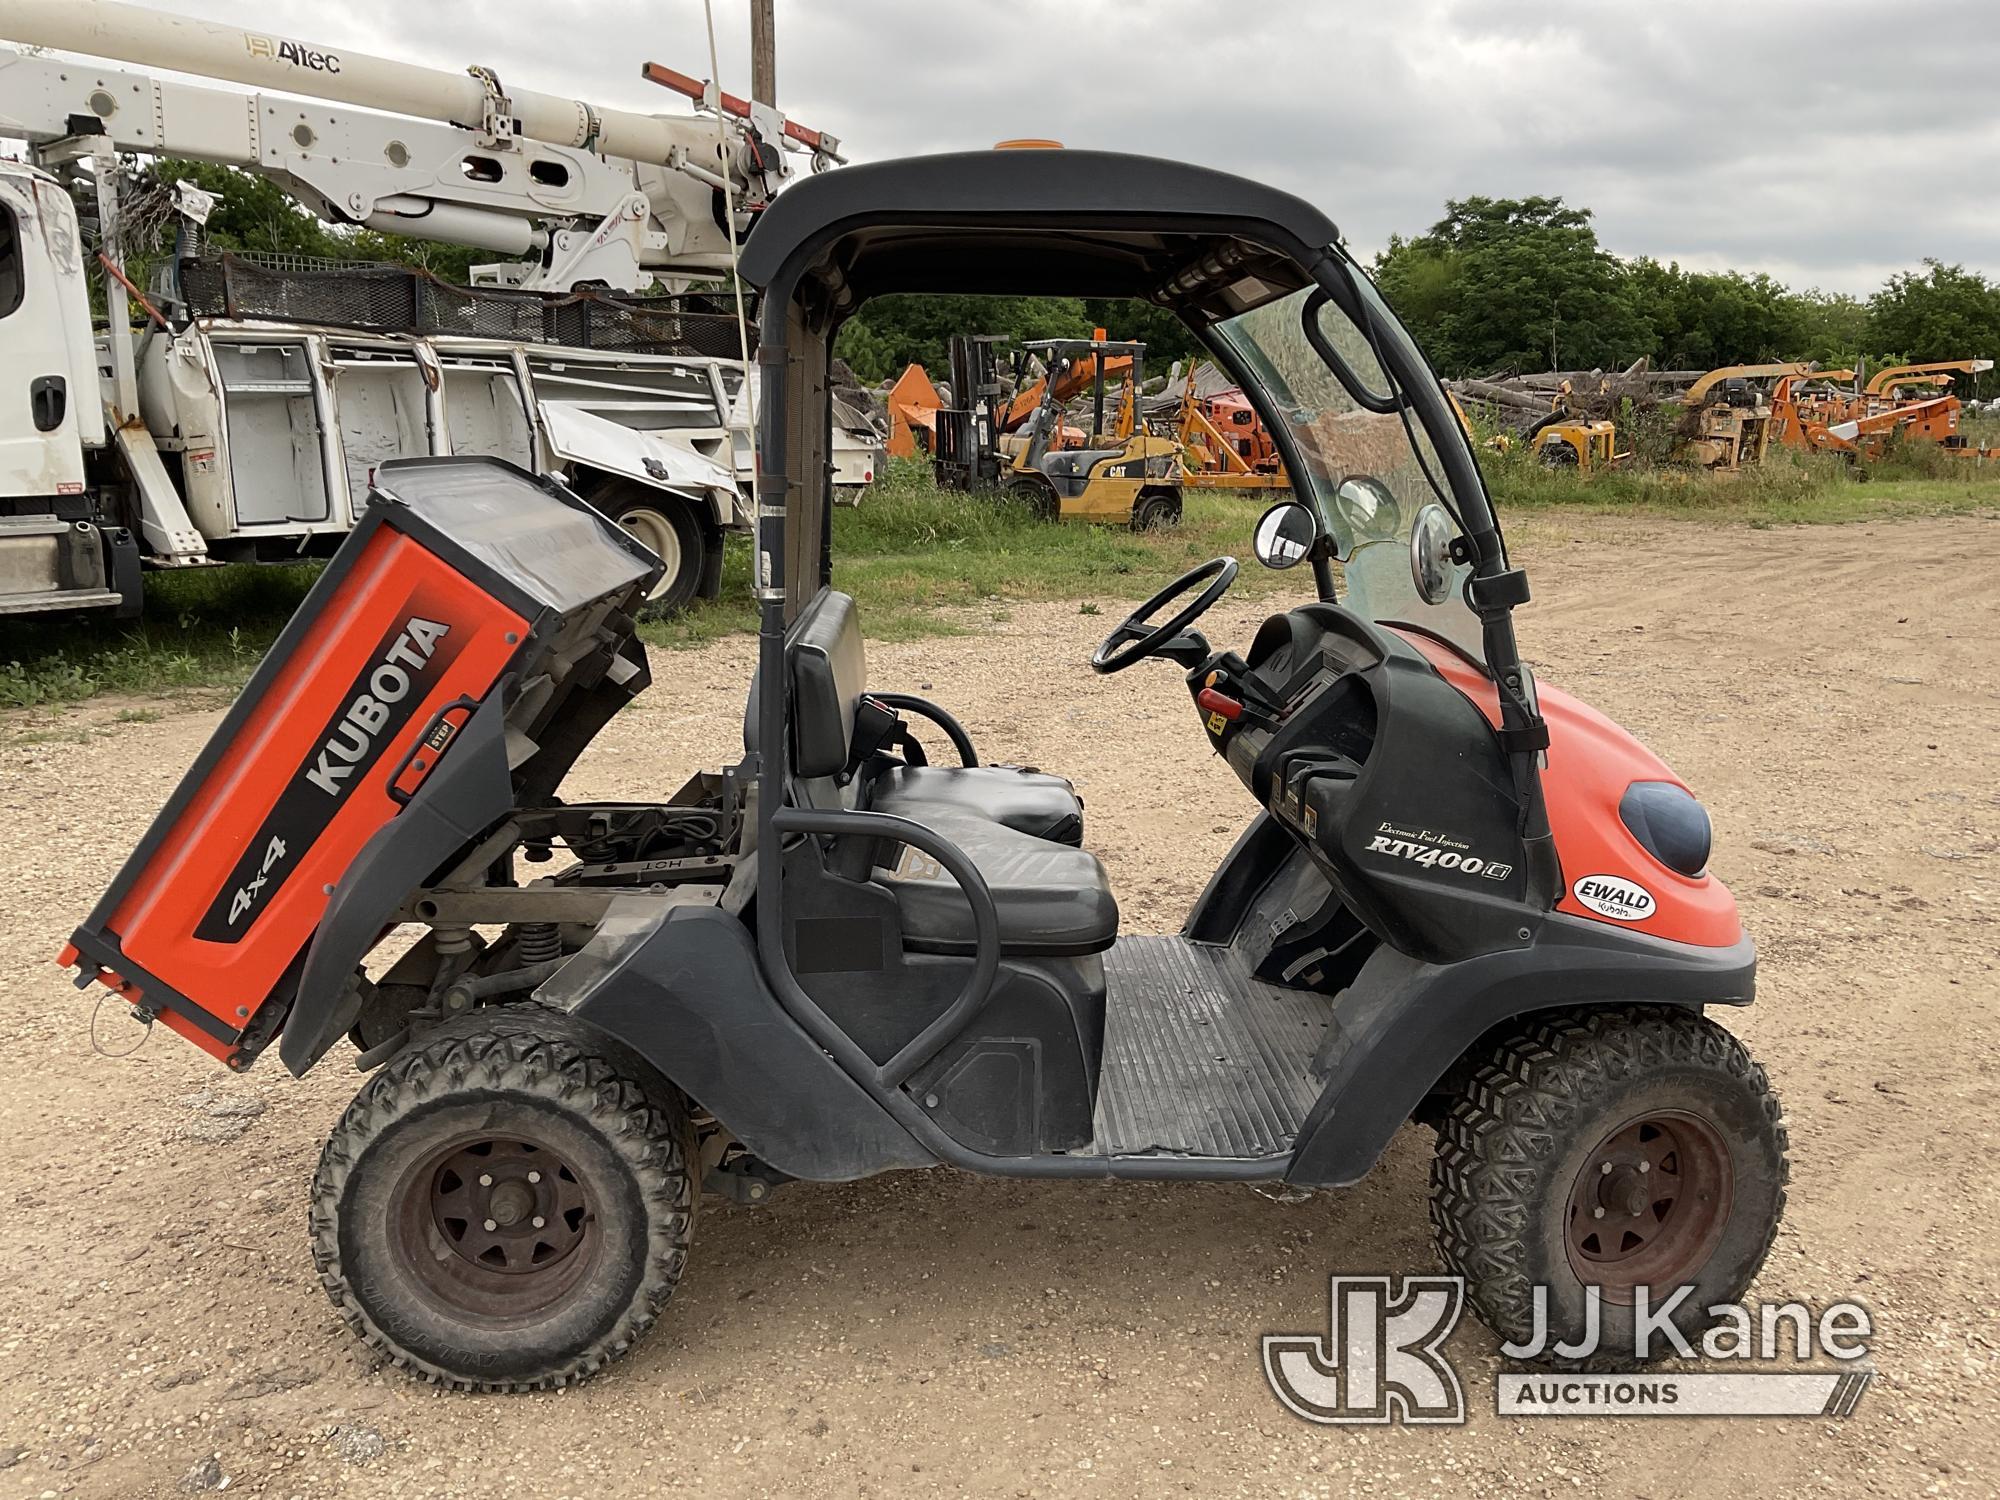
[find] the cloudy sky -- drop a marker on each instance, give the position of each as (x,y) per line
(1828,142)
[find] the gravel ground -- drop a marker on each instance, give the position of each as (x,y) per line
(1832,693)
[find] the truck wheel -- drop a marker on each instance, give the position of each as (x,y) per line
(1156,508)
(1621,1148)
(506,1206)
(666,525)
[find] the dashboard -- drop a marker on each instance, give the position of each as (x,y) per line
(1305,669)
(1385,772)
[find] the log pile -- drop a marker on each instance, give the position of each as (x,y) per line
(1518,402)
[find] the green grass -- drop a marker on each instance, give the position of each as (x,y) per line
(1787,488)
(201,630)
(909,552)
(922,563)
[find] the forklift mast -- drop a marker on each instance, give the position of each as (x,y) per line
(968,431)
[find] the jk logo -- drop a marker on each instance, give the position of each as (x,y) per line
(1382,1359)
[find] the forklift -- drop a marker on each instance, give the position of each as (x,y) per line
(1122,473)
(1116,472)
(967,432)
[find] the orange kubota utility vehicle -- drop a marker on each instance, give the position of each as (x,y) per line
(1459,897)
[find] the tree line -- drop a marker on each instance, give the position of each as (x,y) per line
(1522,285)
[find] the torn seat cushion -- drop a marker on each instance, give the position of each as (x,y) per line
(1052,900)
(1030,802)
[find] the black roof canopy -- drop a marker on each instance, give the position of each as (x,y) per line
(1042,222)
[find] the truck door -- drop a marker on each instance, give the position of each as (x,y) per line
(49,403)
(484,411)
(382,410)
(274,432)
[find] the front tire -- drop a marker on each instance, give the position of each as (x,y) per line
(1621,1148)
(1037,494)
(507,1206)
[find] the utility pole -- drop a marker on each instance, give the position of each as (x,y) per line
(763,52)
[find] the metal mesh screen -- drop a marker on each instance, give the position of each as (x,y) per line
(408,300)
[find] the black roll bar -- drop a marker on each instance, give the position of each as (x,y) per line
(978,989)
(923,708)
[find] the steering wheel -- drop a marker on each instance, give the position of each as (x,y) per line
(1146,639)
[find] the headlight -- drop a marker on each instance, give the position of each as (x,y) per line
(1669,823)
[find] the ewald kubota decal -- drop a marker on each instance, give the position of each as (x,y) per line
(1616,897)
(376,705)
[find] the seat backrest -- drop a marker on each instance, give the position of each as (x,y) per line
(829,672)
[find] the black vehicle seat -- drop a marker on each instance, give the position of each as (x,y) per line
(1052,898)
(1027,801)
(829,673)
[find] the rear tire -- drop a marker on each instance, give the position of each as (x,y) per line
(506,1206)
(1156,509)
(668,527)
(1538,1178)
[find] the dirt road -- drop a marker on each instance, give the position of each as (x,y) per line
(1833,694)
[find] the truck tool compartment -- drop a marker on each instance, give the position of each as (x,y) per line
(390,722)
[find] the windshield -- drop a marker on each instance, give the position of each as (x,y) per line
(1362,466)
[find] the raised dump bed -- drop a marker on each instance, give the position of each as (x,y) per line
(471,602)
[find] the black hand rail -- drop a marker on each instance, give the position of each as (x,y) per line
(969,1001)
(923,708)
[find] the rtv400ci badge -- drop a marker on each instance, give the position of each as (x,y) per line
(1435,851)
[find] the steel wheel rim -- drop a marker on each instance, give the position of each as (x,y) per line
(1649,1205)
(495,1228)
(658,534)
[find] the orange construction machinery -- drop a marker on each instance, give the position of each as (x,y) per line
(1822,412)
(1726,416)
(1223,444)
(914,401)
(1072,379)
(913,407)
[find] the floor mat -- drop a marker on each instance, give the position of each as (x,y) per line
(1199,1058)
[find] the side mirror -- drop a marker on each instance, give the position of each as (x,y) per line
(1430,554)
(1370,508)
(1285,535)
